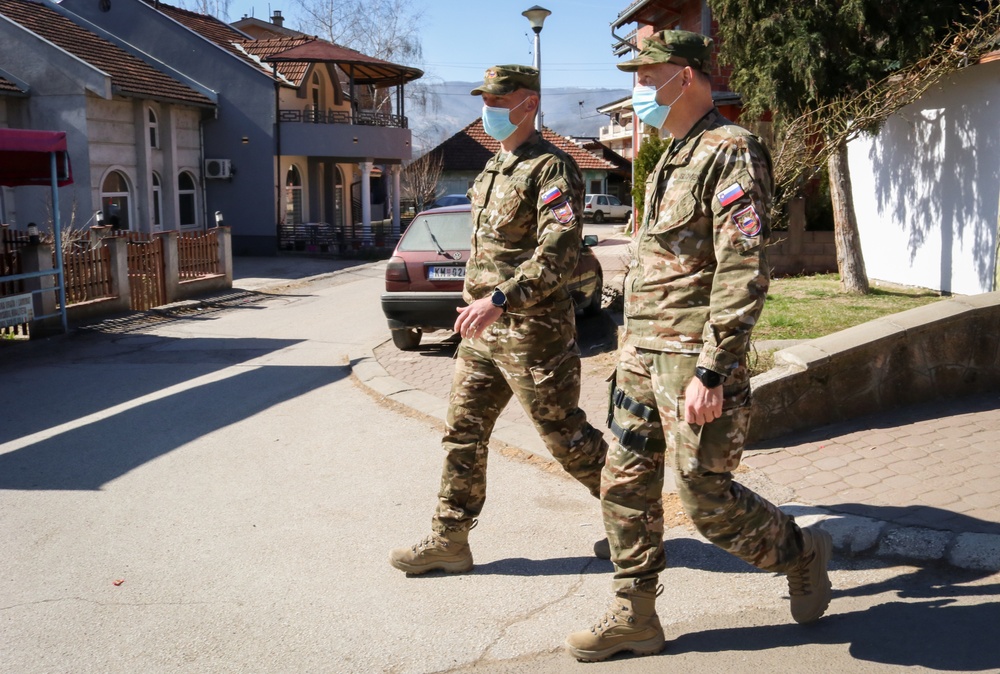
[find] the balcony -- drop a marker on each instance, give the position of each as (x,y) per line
(615,132)
(346,135)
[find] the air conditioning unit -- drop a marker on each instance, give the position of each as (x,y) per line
(218,168)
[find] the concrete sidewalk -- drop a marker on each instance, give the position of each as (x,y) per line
(918,485)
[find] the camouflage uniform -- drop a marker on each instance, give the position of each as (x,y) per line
(693,294)
(526,242)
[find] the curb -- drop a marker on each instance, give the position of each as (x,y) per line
(853,535)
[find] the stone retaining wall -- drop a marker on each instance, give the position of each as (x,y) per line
(946,349)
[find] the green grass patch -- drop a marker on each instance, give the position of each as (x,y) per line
(807,307)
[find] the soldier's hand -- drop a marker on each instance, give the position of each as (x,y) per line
(476,317)
(702,405)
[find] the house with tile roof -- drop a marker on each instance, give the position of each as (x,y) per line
(465,154)
(132,129)
(302,154)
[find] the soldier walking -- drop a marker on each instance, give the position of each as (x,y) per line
(518,330)
(693,293)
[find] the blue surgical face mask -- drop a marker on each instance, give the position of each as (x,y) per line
(496,121)
(644,104)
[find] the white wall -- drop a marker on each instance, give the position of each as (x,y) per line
(927,187)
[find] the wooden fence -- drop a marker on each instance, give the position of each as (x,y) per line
(87,273)
(87,266)
(197,254)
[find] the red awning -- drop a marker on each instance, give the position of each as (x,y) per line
(25,157)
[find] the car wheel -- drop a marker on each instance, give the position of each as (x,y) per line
(628,216)
(598,217)
(594,305)
(406,339)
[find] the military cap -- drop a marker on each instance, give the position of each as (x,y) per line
(502,80)
(666,45)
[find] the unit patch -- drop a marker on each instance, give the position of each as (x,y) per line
(730,194)
(747,221)
(563,213)
(551,195)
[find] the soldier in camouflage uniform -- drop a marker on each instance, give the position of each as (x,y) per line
(518,330)
(693,293)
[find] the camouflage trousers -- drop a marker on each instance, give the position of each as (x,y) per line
(536,359)
(702,458)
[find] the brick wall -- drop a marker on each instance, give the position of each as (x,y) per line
(796,251)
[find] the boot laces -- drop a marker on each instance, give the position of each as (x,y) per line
(431,541)
(615,613)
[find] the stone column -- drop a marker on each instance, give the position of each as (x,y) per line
(366,203)
(397,170)
(171,265)
(34,259)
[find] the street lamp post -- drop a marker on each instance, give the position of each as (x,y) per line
(536,17)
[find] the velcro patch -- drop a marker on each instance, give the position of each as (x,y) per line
(563,213)
(730,194)
(747,221)
(551,195)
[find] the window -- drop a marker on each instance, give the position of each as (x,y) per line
(293,197)
(187,199)
(157,215)
(154,129)
(602,200)
(614,201)
(115,200)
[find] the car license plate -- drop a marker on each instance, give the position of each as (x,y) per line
(445,273)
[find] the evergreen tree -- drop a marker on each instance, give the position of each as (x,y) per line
(643,164)
(790,57)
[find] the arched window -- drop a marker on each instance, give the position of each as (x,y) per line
(153,124)
(293,197)
(187,199)
(157,215)
(115,200)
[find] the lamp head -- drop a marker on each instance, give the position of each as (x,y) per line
(536,17)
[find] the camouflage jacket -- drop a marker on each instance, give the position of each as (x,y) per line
(699,277)
(526,239)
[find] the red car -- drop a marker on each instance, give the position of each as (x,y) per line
(424,276)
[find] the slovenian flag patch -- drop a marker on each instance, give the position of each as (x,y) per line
(730,194)
(551,195)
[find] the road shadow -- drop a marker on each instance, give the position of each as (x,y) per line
(928,517)
(936,634)
(91,452)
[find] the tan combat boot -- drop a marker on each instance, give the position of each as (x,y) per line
(630,624)
(448,552)
(809,585)
(602,549)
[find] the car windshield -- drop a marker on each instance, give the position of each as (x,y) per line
(453,231)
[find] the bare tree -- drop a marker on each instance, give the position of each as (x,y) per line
(420,179)
(386,29)
(217,8)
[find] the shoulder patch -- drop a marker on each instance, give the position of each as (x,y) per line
(730,194)
(747,221)
(563,213)
(551,195)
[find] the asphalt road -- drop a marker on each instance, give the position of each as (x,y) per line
(214,492)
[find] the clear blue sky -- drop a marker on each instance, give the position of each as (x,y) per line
(461,38)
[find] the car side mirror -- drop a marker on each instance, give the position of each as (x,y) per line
(590,240)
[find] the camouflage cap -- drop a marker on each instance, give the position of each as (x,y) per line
(667,45)
(502,80)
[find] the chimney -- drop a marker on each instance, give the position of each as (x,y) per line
(277,19)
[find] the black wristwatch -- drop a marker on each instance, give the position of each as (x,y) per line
(709,378)
(499,300)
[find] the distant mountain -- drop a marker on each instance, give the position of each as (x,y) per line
(449,108)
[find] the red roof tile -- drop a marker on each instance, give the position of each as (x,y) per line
(211,29)
(293,71)
(6,86)
(130,76)
(470,148)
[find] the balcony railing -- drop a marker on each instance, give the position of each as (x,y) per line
(360,117)
(615,131)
